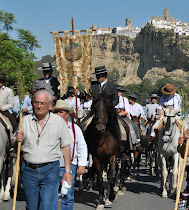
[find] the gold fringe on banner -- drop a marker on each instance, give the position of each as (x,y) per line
(73,58)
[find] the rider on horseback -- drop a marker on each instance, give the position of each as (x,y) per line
(169,99)
(6,101)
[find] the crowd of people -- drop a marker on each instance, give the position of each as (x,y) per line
(53,145)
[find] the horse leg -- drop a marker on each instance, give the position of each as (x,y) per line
(100,183)
(112,177)
(164,174)
(156,162)
(173,180)
(1,180)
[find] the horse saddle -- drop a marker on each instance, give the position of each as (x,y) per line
(6,123)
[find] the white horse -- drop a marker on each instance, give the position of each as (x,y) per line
(4,190)
(167,147)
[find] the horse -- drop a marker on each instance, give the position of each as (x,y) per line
(151,149)
(103,140)
(5,178)
(167,147)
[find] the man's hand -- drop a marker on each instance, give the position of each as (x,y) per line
(25,110)
(80,170)
(159,117)
(67,177)
(20,136)
(180,140)
(186,134)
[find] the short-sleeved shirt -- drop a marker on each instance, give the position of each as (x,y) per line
(54,135)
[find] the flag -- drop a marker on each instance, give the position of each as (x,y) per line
(73,58)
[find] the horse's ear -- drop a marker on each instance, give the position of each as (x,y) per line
(131,115)
(139,116)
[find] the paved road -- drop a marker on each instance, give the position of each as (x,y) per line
(144,194)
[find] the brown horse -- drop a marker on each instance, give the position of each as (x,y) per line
(103,141)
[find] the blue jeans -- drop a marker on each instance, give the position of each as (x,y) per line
(41,186)
(67,201)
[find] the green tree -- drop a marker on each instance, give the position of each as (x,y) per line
(17,60)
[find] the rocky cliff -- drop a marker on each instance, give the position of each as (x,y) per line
(153,54)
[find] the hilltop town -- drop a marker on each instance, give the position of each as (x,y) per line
(166,21)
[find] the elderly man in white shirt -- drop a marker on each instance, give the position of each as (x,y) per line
(78,151)
(169,99)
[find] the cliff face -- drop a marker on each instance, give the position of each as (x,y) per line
(153,54)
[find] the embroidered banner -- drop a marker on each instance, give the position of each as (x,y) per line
(73,58)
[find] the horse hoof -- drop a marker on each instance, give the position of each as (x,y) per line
(108,202)
(120,192)
(100,207)
(6,196)
(116,188)
(164,195)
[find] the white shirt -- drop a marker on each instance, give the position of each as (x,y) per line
(27,104)
(80,150)
(6,98)
(151,110)
(87,105)
(103,83)
(123,104)
(171,100)
(136,109)
(72,102)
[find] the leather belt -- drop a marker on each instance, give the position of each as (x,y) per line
(36,165)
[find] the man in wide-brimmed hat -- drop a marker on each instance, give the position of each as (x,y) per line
(78,152)
(7,101)
(49,83)
(102,84)
(151,109)
(169,99)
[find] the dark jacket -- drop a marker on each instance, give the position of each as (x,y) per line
(110,89)
(51,87)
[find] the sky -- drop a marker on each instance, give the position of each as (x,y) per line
(41,17)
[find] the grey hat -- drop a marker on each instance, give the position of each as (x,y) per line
(46,66)
(120,88)
(133,95)
(100,70)
(154,95)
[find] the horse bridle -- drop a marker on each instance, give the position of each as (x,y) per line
(100,117)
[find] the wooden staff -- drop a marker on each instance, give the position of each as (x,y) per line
(182,175)
(17,166)
(179,164)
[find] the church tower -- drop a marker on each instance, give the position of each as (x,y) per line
(166,14)
(128,23)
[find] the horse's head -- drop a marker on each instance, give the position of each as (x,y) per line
(169,119)
(101,116)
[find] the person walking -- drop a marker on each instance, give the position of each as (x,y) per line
(43,134)
(78,149)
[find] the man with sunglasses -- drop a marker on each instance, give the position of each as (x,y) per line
(43,134)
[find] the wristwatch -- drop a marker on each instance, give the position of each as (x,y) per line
(67,171)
